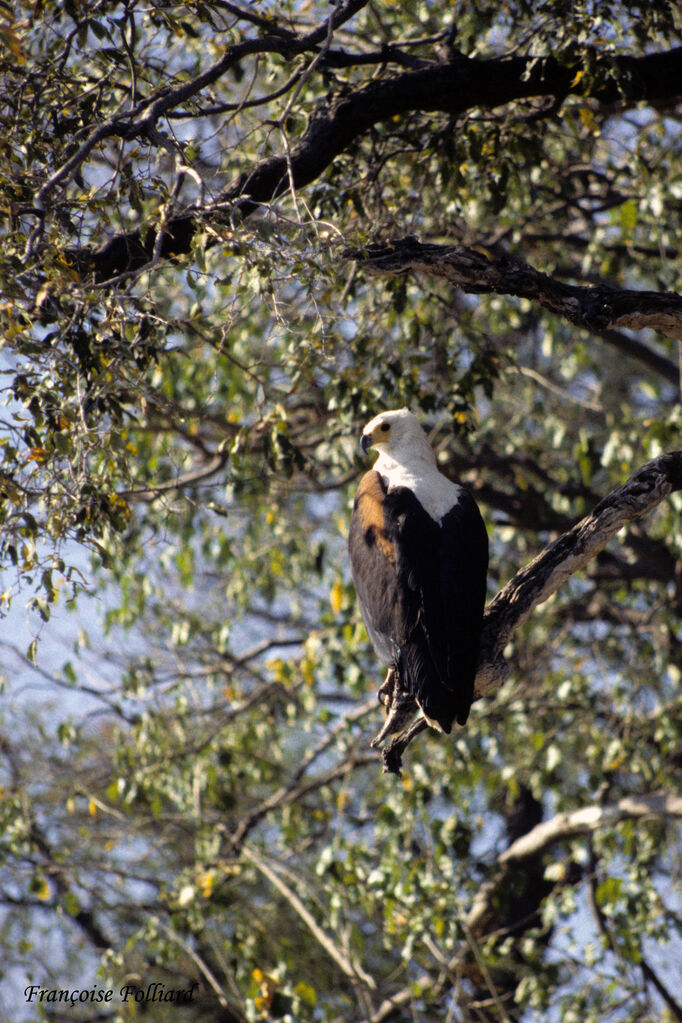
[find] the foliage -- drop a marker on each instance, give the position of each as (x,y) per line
(195,798)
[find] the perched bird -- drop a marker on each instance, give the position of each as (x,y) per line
(419,556)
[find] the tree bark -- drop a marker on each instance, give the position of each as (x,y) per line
(450,88)
(543,576)
(597,308)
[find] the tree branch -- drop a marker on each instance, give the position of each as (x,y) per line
(204,472)
(141,119)
(58,874)
(651,977)
(633,348)
(537,581)
(451,88)
(597,308)
(586,820)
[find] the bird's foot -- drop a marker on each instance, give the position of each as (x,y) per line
(392,755)
(387,689)
(400,710)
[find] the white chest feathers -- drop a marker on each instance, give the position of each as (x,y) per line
(435,493)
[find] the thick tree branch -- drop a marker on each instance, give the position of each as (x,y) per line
(537,581)
(597,308)
(451,88)
(589,819)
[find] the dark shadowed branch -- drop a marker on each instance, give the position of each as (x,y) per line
(597,308)
(451,88)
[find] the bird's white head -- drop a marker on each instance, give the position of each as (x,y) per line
(398,437)
(406,459)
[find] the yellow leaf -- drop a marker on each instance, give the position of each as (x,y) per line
(206,883)
(587,117)
(11,40)
(307,671)
(43,890)
(121,505)
(306,993)
(92,808)
(37,455)
(336,597)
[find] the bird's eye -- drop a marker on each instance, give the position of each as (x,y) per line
(385,427)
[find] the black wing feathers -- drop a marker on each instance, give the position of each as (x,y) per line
(444,566)
(421,587)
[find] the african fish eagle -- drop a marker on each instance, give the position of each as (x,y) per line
(419,557)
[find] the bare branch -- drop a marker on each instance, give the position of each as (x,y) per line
(537,581)
(588,819)
(352,969)
(597,308)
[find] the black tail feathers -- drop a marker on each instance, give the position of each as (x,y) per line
(441,702)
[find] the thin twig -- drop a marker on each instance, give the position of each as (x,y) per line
(351,968)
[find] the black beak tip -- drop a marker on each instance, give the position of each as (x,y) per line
(365,442)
